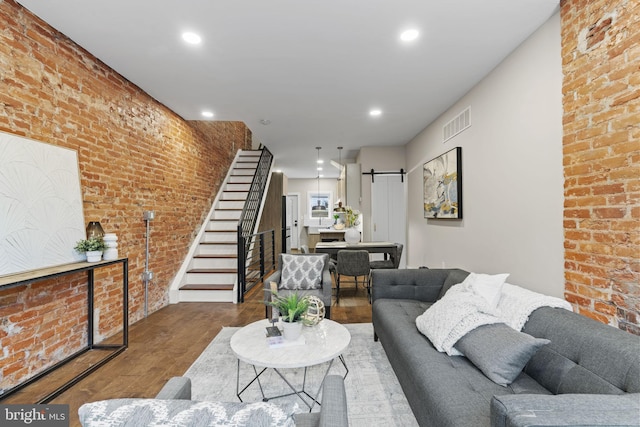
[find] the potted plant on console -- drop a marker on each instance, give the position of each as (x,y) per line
(92,247)
(291,307)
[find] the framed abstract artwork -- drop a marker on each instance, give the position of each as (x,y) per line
(442,186)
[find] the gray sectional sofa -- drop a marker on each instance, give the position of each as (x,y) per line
(173,406)
(588,374)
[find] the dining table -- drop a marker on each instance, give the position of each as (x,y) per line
(332,248)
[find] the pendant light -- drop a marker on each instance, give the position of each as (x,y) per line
(340,195)
(318,181)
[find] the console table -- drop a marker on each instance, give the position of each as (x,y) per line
(14,280)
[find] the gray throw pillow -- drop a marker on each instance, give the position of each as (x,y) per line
(300,272)
(499,351)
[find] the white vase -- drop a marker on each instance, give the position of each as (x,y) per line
(94,256)
(111,242)
(351,235)
(291,330)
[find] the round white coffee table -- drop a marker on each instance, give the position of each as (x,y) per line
(324,342)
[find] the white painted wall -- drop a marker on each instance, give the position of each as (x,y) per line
(512,173)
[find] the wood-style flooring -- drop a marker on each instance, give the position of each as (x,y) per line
(167,342)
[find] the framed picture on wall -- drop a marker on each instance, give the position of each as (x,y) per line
(442,186)
(320,204)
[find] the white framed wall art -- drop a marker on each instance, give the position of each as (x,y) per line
(41,212)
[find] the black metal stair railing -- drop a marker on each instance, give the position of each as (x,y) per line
(254,248)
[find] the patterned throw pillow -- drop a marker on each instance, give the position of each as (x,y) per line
(183,413)
(301,272)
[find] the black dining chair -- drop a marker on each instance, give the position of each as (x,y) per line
(353,263)
(392,262)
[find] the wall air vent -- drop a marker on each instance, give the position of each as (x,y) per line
(456,125)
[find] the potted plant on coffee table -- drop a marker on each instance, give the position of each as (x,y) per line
(92,247)
(291,308)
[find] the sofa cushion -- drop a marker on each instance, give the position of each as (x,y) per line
(301,272)
(499,351)
(565,410)
(176,413)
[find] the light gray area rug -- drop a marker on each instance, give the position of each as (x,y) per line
(374,396)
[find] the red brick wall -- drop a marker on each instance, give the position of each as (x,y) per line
(601,98)
(134,155)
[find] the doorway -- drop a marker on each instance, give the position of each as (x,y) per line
(389,211)
(293,220)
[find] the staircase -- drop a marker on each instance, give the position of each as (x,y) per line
(211,274)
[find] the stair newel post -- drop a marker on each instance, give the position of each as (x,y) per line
(261,255)
(241,265)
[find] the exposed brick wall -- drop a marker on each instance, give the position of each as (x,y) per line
(134,155)
(601,98)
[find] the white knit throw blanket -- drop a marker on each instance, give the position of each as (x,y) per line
(461,311)
(452,316)
(516,304)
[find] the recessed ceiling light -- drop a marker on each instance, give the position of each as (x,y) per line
(375,112)
(320,176)
(191,38)
(319,169)
(320,161)
(265,122)
(207,114)
(409,35)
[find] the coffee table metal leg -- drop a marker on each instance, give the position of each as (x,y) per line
(299,393)
(341,357)
(315,399)
(296,392)
(256,377)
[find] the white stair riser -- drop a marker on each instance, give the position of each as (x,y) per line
(226,204)
(219,237)
(205,296)
(240,179)
(211,278)
(247,162)
(217,250)
(222,226)
(227,214)
(237,187)
(235,195)
(214,263)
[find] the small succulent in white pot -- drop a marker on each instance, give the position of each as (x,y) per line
(92,247)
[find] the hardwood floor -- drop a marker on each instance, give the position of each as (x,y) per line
(167,342)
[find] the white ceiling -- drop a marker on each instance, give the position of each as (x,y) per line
(313,68)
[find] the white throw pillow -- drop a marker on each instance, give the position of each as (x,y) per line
(487,286)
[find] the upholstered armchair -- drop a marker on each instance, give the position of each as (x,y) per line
(306,274)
